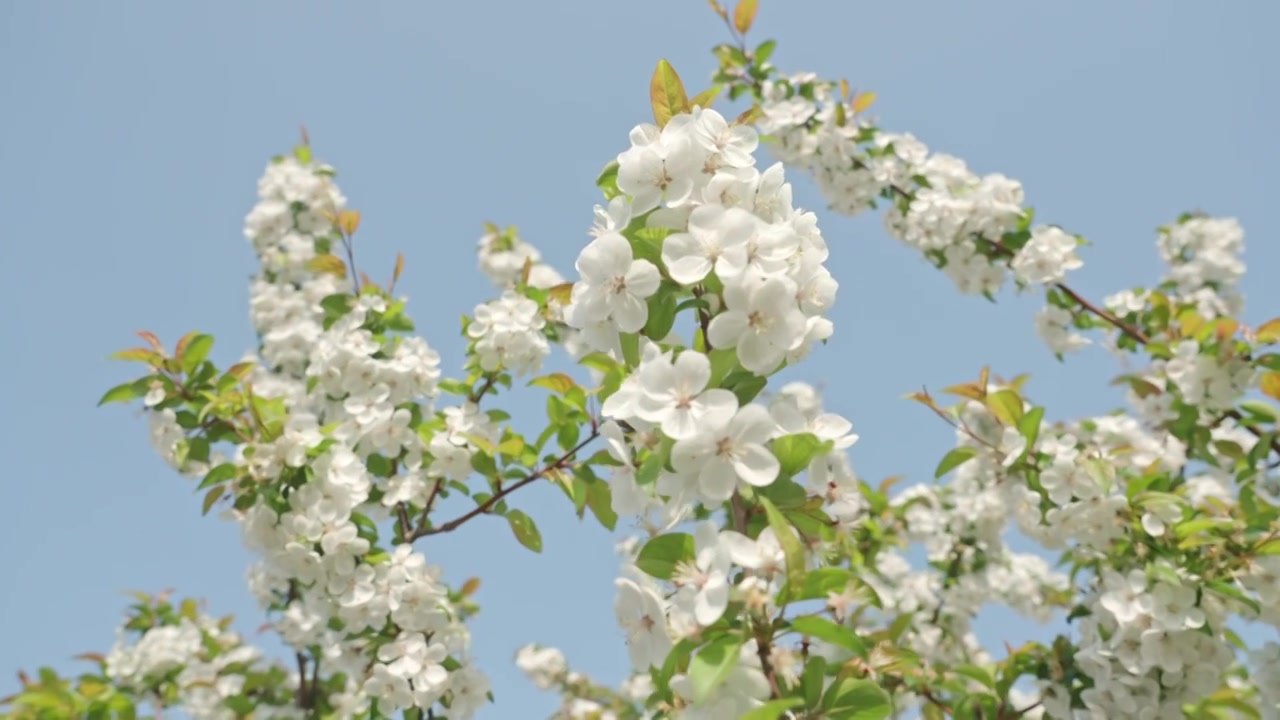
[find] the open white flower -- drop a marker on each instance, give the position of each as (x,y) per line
(716,240)
(719,457)
(762,322)
(673,395)
(616,283)
(640,613)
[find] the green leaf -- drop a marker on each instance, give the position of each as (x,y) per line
(195,352)
(976,673)
(712,665)
(630,349)
(677,661)
(125,392)
(555,382)
(327,264)
(795,452)
(1261,410)
(512,446)
(380,466)
(1229,590)
(786,494)
(660,556)
(745,385)
(600,500)
(723,361)
(824,629)
(773,709)
(666,94)
(764,51)
(819,583)
(953,460)
(812,679)
(662,315)
(240,705)
(851,699)
(1029,426)
(366,527)
(976,707)
(1199,525)
(791,547)
(211,498)
(1006,405)
(607,181)
(150,357)
(1270,547)
(705,98)
(1269,384)
(525,531)
(219,474)
(1268,333)
(744,15)
(600,362)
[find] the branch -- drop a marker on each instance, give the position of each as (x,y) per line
(487,505)
(481,391)
(1133,332)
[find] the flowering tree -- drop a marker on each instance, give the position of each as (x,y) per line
(768,579)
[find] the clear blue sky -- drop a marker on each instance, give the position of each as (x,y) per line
(132,135)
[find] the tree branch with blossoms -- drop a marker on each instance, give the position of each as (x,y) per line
(767,579)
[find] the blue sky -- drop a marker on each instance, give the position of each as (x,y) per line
(133,134)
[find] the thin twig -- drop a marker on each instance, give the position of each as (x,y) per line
(487,505)
(1111,318)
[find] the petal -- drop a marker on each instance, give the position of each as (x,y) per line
(752,424)
(774,295)
(710,604)
(715,409)
(692,370)
(643,278)
(788,417)
(705,222)
(706,540)
(627,498)
(615,441)
(627,603)
(756,465)
(593,306)
(629,312)
(681,423)
(688,269)
(690,455)
(758,354)
(685,258)
(829,426)
(726,328)
(599,260)
(742,549)
(717,480)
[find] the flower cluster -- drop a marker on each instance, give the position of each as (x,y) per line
(179,657)
(1205,266)
(321,568)
(973,227)
(289,227)
(725,230)
(503,257)
(1069,487)
(1144,649)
